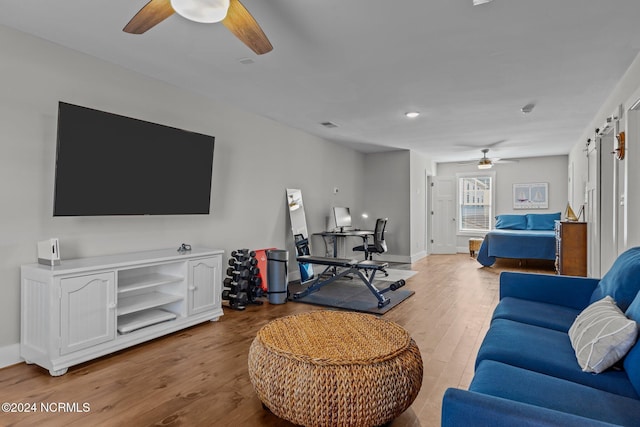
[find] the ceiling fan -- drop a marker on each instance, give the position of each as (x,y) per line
(232,13)
(487,163)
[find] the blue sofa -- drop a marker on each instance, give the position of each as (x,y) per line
(527,373)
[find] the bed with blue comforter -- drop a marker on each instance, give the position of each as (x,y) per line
(528,236)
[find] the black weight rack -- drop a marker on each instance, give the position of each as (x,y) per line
(242,285)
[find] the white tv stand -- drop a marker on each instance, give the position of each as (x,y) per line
(87,308)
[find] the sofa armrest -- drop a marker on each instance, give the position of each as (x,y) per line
(466,408)
(568,291)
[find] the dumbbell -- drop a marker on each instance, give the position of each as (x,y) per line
(240,297)
(237,264)
(397,285)
(243,253)
(243,274)
(230,294)
(228,282)
(238,271)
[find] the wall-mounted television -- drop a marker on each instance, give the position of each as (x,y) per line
(107,164)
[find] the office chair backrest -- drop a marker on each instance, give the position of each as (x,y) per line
(378,235)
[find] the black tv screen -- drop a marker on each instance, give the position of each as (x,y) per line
(107,164)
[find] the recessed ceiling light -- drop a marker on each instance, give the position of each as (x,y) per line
(412,114)
(479,2)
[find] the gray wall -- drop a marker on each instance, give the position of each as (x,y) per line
(552,169)
(624,96)
(386,195)
(262,156)
(395,188)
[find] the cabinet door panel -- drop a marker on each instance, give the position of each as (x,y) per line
(204,284)
(87,311)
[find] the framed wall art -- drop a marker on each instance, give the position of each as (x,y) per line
(531,196)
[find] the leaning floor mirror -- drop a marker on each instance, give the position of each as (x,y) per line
(299,229)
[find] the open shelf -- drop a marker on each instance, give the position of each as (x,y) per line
(144,301)
(134,283)
(140,319)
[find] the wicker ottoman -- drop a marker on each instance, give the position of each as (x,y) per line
(332,368)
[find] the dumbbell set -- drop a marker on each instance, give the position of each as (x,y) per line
(243,284)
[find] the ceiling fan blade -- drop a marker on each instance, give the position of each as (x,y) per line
(149,16)
(470,162)
(492,145)
(240,22)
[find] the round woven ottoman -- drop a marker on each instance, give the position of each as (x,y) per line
(332,368)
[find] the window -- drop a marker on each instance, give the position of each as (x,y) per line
(475,203)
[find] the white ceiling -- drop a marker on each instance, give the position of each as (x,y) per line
(362,64)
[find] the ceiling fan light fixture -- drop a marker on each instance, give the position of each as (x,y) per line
(204,11)
(485,164)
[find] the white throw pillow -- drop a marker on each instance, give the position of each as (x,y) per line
(601,335)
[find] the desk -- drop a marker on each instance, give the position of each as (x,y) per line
(344,234)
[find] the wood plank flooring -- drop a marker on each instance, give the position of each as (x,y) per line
(198,377)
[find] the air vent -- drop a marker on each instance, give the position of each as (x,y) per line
(329,125)
(528,108)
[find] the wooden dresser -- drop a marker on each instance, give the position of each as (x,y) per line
(571,248)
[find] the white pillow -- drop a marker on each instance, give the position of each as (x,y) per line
(601,335)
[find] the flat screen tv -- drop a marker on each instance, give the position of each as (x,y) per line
(107,164)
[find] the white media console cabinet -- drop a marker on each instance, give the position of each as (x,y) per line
(86,308)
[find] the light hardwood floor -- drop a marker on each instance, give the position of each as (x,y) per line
(198,377)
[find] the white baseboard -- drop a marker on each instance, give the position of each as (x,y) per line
(417,257)
(10,355)
(462,249)
(405,259)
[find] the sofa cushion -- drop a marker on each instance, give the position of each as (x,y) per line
(632,361)
(516,384)
(548,352)
(602,335)
(511,222)
(536,313)
(542,221)
(622,281)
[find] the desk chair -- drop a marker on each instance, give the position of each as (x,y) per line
(378,246)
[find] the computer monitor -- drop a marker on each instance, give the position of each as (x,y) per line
(343,217)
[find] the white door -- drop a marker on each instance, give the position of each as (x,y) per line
(443,214)
(87,311)
(593,209)
(622,203)
(608,205)
(205,288)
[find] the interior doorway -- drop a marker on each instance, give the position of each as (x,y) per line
(443,215)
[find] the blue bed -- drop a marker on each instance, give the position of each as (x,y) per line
(529,236)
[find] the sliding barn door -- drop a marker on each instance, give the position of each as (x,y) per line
(593,209)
